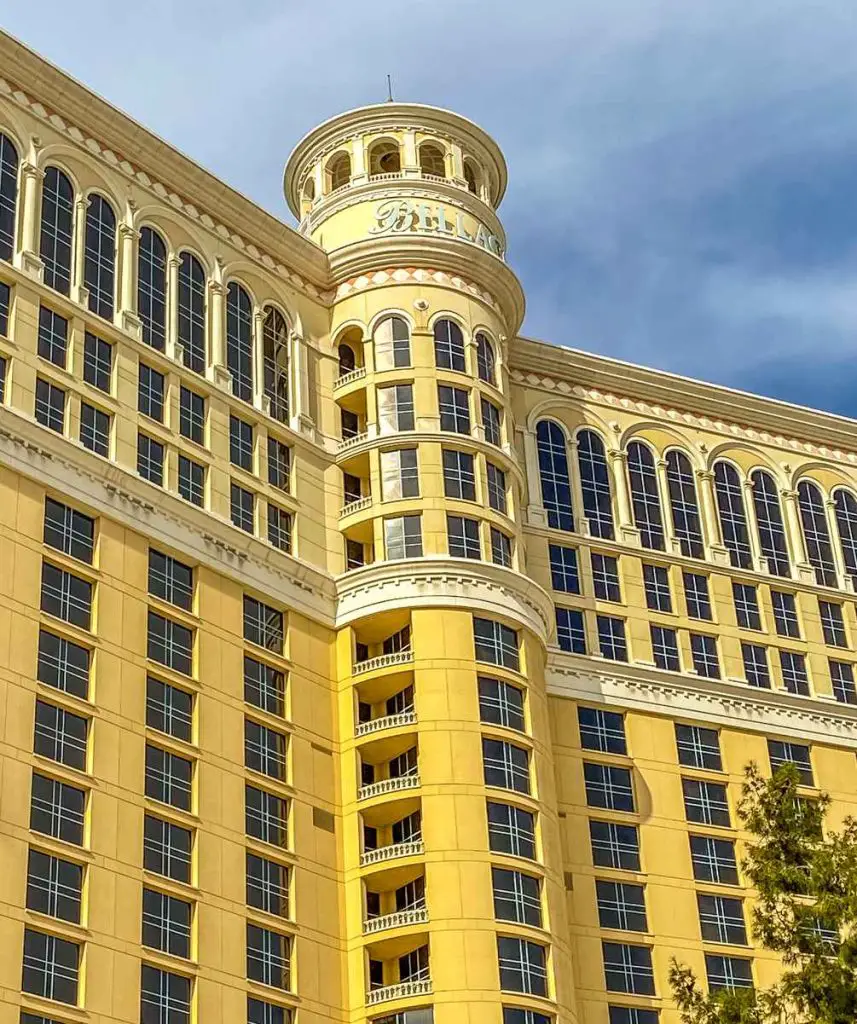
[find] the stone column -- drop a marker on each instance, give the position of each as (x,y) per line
(299,384)
(174,346)
(258,360)
(129,319)
(410,162)
(710,517)
(217,337)
(618,461)
(28,258)
(78,290)
(359,170)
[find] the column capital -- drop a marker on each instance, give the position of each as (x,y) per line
(617,454)
(127,232)
(216,287)
(30,170)
(788,495)
(174,262)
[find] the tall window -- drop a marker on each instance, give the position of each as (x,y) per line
(523,966)
(191,308)
(454,408)
(733,519)
(392,340)
(449,346)
(769,519)
(496,643)
(99,256)
(275,349)
(553,471)
(239,341)
(816,534)
(55,240)
(432,160)
(645,496)
(595,484)
(51,967)
(396,408)
(486,361)
(845,505)
(384,158)
(152,288)
(338,170)
(8,196)
(683,504)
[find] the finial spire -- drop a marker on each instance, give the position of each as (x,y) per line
(389,89)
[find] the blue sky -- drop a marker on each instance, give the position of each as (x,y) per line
(683,173)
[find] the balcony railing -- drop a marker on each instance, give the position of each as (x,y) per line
(383,661)
(350,377)
(385,786)
(347,443)
(412,848)
(387,722)
(386,176)
(400,919)
(355,506)
(404,990)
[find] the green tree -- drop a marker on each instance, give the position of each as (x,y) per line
(806,911)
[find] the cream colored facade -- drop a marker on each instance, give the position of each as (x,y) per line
(331,686)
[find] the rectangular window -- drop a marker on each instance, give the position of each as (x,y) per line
(95,430)
(60,735)
(785,614)
(505,765)
(449,347)
(279,464)
(621,905)
(705,802)
(392,344)
(170,644)
(63,665)
(665,648)
(166,923)
(264,687)
(511,830)
(170,580)
(267,885)
(721,919)
(601,730)
(492,419)
(462,536)
(571,630)
(632,1015)
(696,595)
(842,678)
(57,809)
(264,750)
(5,306)
(241,443)
(523,966)
(746,606)
(728,972)
(53,337)
(191,481)
(268,957)
(714,860)
(192,415)
(793,667)
(279,528)
(501,703)
(150,459)
(259,1012)
(242,505)
(564,572)
(657,583)
(396,408)
(608,786)
(97,362)
(784,752)
(169,709)
(698,747)
(611,638)
(51,967)
(169,778)
(614,846)
(703,649)
(50,405)
(263,625)
(516,897)
(167,849)
(496,488)
(66,596)
(459,479)
(501,548)
(2,380)
(164,997)
(832,623)
(54,886)
(628,969)
(69,531)
(403,537)
(150,393)
(454,407)
(756,665)
(266,816)
(605,577)
(496,643)
(399,474)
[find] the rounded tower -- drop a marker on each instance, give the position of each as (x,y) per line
(454,898)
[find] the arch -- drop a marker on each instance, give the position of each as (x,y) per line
(57,229)
(152,287)
(553,473)
(391,340)
(472,175)
(769,523)
(448,345)
(191,310)
(645,495)
(338,171)
(432,160)
(99,255)
(384,157)
(732,514)
(845,509)
(595,484)
(275,358)
(309,189)
(486,361)
(347,358)
(816,535)
(239,340)
(8,196)
(684,507)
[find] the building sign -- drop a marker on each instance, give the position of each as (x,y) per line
(404,216)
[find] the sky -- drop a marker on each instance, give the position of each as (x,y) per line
(682,173)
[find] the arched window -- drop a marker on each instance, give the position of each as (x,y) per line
(683,504)
(152,288)
(448,345)
(471,176)
(338,170)
(384,158)
(392,340)
(309,189)
(432,160)
(347,359)
(595,484)
(769,519)
(275,348)
(553,471)
(99,256)
(192,312)
(56,229)
(486,362)
(733,518)
(846,523)
(815,533)
(645,496)
(239,341)
(8,196)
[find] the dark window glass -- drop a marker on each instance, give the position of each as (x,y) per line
(268,957)
(733,518)
(769,521)
(696,595)
(152,288)
(97,362)
(516,897)
(746,606)
(239,341)
(55,241)
(595,484)
(683,505)
(555,480)
(632,1015)
(602,730)
(267,885)
(264,686)
(511,830)
(459,480)
(756,665)
(501,703)
(259,1012)
(571,630)
(69,531)
(703,650)
(2,379)
(645,496)
(51,967)
(816,534)
(506,765)
(50,405)
(501,548)
(605,577)
(57,809)
(264,750)
(721,919)
(845,508)
(53,336)
(191,481)
(192,415)
(170,644)
(279,528)
(628,968)
(8,196)
(448,346)
(705,802)
(164,997)
(491,422)
(832,624)
(785,614)
(496,643)
(615,846)
(523,966)
(54,886)
(665,648)
(63,664)
(454,406)
(698,747)
(99,256)
(275,363)
(486,361)
(656,579)
(166,923)
(728,972)
(170,580)
(169,778)
(266,816)
(496,488)
(621,905)
(169,709)
(60,735)
(279,463)
(564,571)
(66,596)
(191,310)
(713,860)
(842,677)
(463,537)
(263,625)
(150,459)
(241,443)
(608,786)
(167,849)
(784,752)
(793,666)
(611,638)
(242,504)
(5,305)
(95,430)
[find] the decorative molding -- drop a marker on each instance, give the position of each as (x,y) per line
(414,275)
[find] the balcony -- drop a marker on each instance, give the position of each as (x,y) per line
(403,990)
(403,718)
(400,919)
(358,505)
(350,377)
(383,661)
(412,848)
(347,443)
(397,785)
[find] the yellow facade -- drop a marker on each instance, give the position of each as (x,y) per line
(363,660)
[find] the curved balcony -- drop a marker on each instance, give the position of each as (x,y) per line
(358,505)
(385,786)
(395,851)
(383,661)
(403,990)
(400,919)
(349,378)
(403,718)
(347,443)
